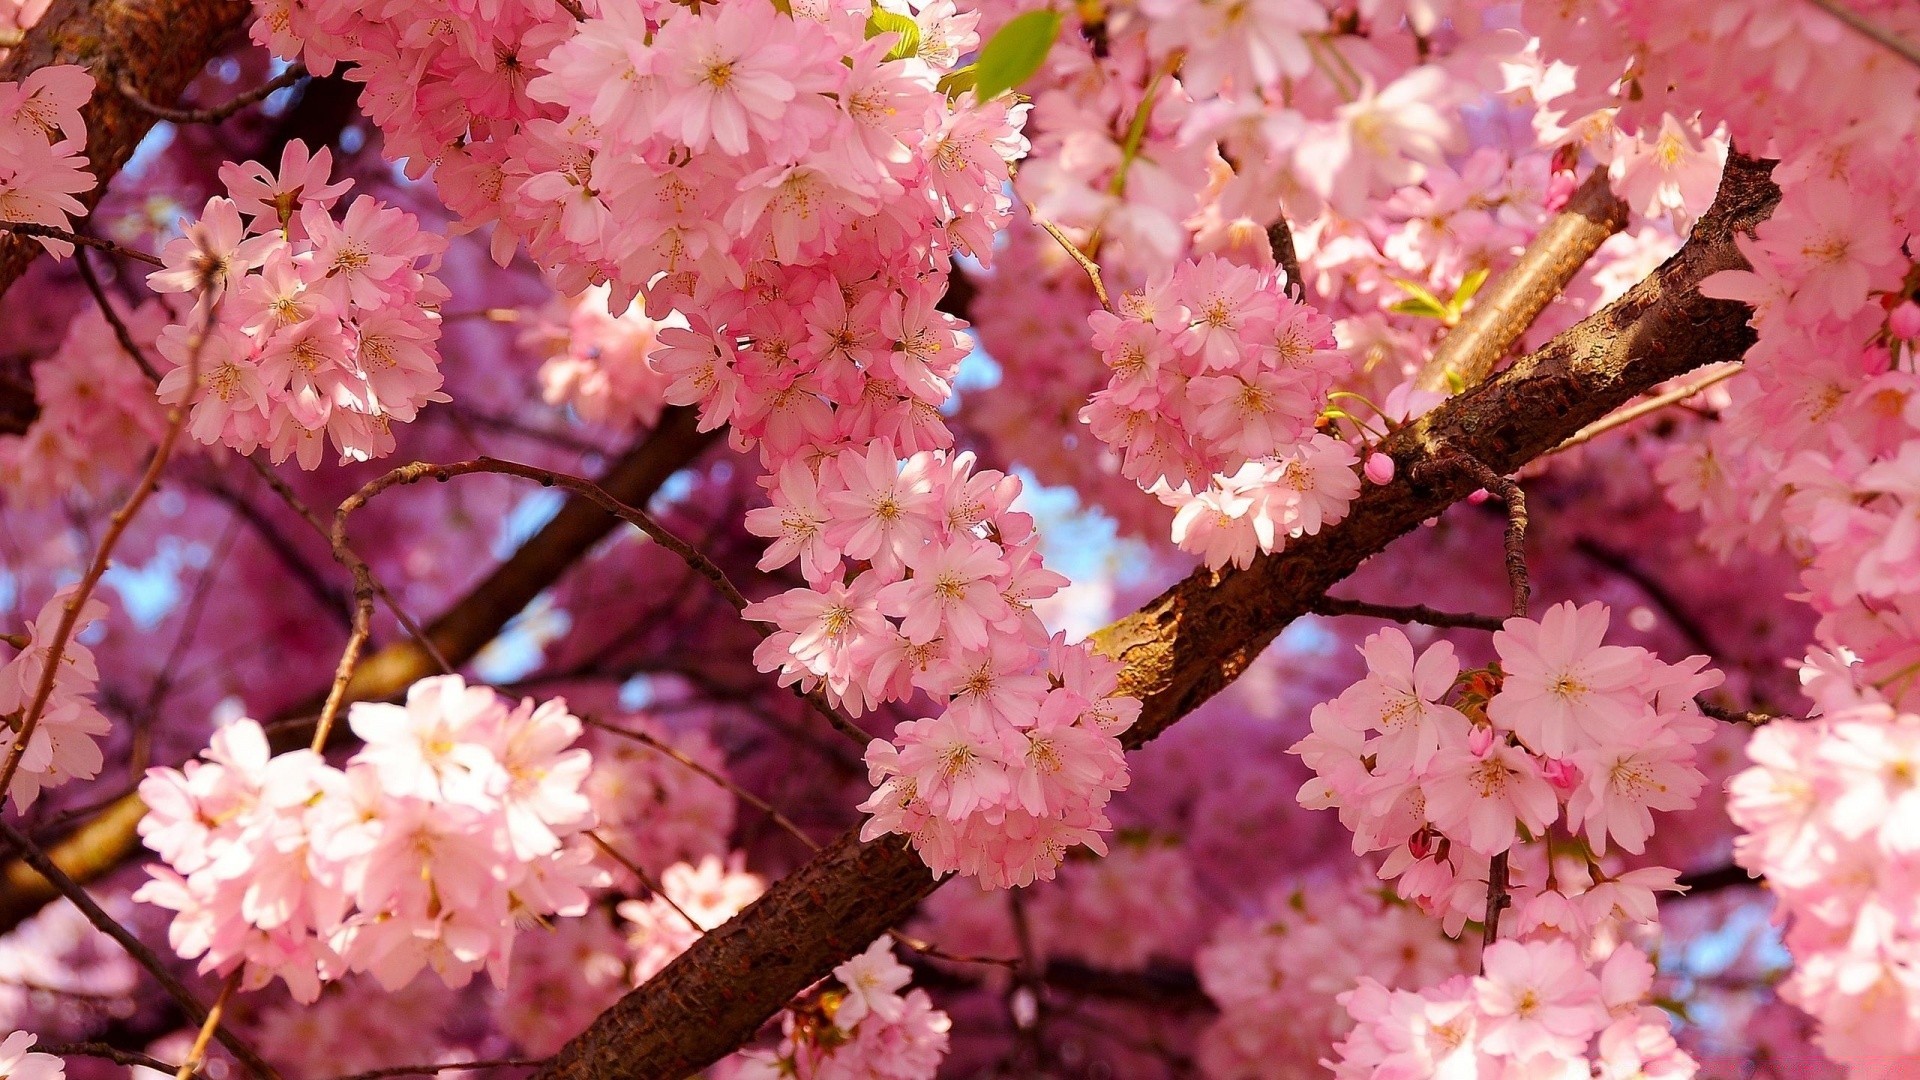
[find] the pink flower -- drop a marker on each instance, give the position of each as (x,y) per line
(873,980)
(1563,688)
(1480,796)
(1537,998)
(953,591)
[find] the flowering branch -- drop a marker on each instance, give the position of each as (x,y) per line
(110,839)
(1185,646)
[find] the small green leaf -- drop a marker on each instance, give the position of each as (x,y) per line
(1469,288)
(881,21)
(1419,308)
(1013,54)
(958,81)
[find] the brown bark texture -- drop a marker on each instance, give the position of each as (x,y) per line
(158,46)
(110,839)
(1183,647)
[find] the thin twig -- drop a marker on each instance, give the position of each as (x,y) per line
(451,1066)
(30,228)
(573,8)
(646,879)
(120,331)
(1638,409)
(1516,541)
(1735,716)
(1092,268)
(116,528)
(690,762)
(108,1053)
(1901,47)
(216,113)
(587,489)
(198,1055)
(1410,613)
(145,957)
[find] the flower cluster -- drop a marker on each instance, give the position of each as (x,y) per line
(1018,766)
(1537,1011)
(1218,379)
(98,419)
(65,742)
(462,816)
(600,364)
(861,1029)
(691,901)
(43,140)
(1276,976)
(1565,731)
(314,328)
(1829,811)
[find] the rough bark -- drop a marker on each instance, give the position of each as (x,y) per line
(1186,645)
(110,839)
(158,46)
(1503,311)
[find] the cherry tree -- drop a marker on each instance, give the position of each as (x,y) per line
(1360,539)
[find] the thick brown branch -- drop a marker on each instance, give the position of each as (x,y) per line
(156,46)
(110,840)
(1188,644)
(1503,311)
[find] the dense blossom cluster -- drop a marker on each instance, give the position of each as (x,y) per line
(1218,381)
(1016,769)
(43,163)
(65,744)
(751,210)
(304,328)
(1445,772)
(98,418)
(461,816)
(1276,975)
(864,1028)
(1537,1011)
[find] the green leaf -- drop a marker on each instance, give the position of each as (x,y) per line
(1012,55)
(881,21)
(1419,308)
(958,81)
(1469,288)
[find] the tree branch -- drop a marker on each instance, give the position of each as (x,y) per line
(1188,644)
(1503,311)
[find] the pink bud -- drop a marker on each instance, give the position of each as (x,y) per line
(1480,740)
(1904,321)
(1379,468)
(1561,773)
(1420,845)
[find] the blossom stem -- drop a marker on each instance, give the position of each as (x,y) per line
(198,1055)
(1086,263)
